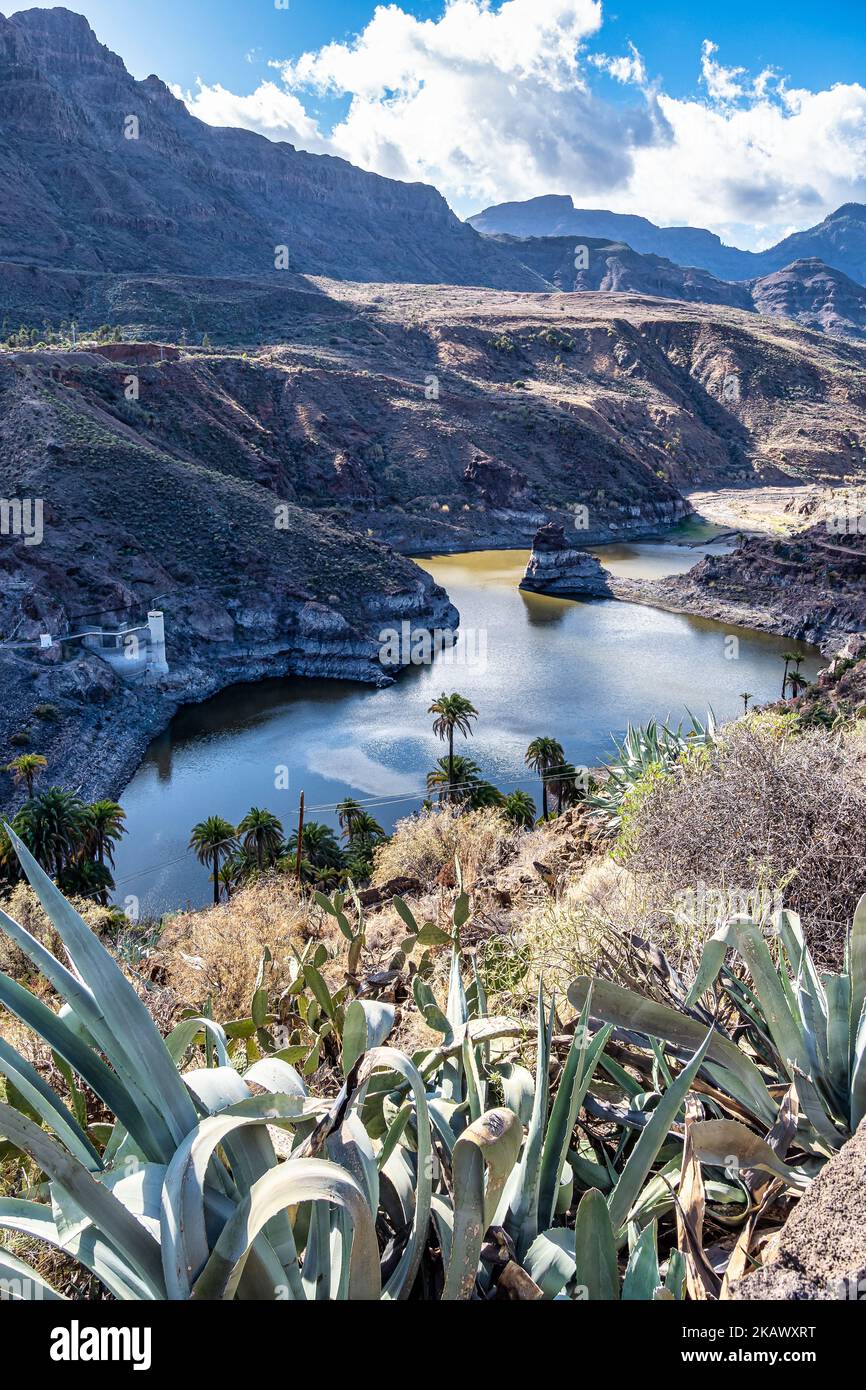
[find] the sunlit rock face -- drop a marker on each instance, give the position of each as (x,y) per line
(555,567)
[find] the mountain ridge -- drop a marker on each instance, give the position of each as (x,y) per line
(839,240)
(106,173)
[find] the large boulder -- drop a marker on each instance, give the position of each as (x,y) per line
(821,1252)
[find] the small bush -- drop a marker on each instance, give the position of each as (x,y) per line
(49,713)
(422,845)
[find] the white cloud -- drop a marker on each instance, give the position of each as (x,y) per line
(270,109)
(496,103)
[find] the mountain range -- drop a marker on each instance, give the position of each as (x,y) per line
(123,208)
(839,241)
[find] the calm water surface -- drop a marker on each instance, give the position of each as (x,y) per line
(574,670)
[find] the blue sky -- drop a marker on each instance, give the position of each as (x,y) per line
(816,44)
(746,117)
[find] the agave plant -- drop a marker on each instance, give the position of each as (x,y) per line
(643,748)
(798,1030)
(182,1194)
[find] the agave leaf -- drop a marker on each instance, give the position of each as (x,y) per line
(522,1218)
(125,1028)
(275,1074)
(518,1089)
(576,1076)
(492,1144)
(63,1039)
(399,1284)
(690,1212)
(596,1274)
(249,1148)
(642,1276)
(109,1216)
(651,1138)
(728,1144)
(858,1073)
(626,1009)
(857,970)
(366,1024)
(24,1284)
(183,1228)
(675,1277)
(784,1027)
(550,1261)
(302,1180)
(34,1219)
(48,1106)
(712,960)
(838,991)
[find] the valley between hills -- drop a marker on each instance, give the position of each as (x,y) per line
(267,499)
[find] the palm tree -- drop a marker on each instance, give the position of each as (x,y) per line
(483,795)
(89,879)
(746,696)
(261,835)
(212,840)
(454,777)
(104,825)
(519,807)
(348,811)
(26,768)
(453,712)
(789,658)
(796,683)
(320,848)
(53,826)
(543,755)
(363,831)
(233,871)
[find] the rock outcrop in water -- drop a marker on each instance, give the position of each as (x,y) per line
(557,568)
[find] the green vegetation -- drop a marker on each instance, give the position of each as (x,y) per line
(71,838)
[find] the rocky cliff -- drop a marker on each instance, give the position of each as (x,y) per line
(102,173)
(810,585)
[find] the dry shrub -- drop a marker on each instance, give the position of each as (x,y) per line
(767,812)
(23,906)
(422,845)
(215,952)
(565,936)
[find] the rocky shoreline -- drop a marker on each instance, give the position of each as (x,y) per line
(102,727)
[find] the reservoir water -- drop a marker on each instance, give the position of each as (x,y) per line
(577,671)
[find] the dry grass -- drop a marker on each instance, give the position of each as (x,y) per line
(422,845)
(564,936)
(215,952)
(23,906)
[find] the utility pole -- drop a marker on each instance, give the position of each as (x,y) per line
(300,838)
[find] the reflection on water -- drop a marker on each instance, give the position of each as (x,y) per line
(574,670)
